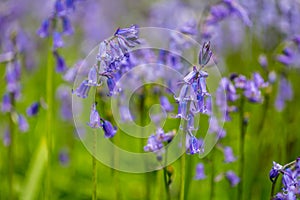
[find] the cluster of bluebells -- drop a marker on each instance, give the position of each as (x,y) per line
(157,141)
(290,180)
(238,86)
(193,97)
(50,28)
(112,61)
(222,11)
(13,91)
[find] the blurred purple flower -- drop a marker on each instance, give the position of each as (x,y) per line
(228,155)
(200,175)
(64,158)
(164,102)
(23,124)
(109,129)
(232,178)
(33,109)
(6,103)
(60,63)
(94,117)
(285,93)
(83,89)
(6,138)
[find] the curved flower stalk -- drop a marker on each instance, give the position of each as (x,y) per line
(290,180)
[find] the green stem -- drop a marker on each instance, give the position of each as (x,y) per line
(212,182)
(94,166)
(273,188)
(264,114)
(11,150)
(166,181)
(182,179)
(49,116)
(243,126)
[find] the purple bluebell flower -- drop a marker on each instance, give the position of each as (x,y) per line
(71,73)
(12,78)
(63,93)
(240,82)
(239,10)
(6,138)
(111,85)
(228,155)
(200,175)
(263,61)
(156,141)
(23,124)
(57,40)
(64,158)
(164,102)
(182,110)
(275,171)
(259,81)
(232,178)
(252,92)
(43,31)
(272,77)
(130,33)
(6,103)
(205,54)
(94,117)
(60,63)
(109,129)
(83,89)
(59,8)
(67,27)
(285,93)
(93,77)
(153,144)
(194,145)
(33,109)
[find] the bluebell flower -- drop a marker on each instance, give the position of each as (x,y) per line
(93,76)
(252,93)
(285,93)
(64,157)
(12,78)
(228,155)
(274,172)
(6,103)
(83,89)
(109,129)
(59,8)
(194,145)
(232,178)
(164,102)
(23,124)
(57,40)
(33,109)
(200,175)
(130,33)
(94,117)
(259,81)
(205,54)
(6,138)
(67,27)
(182,109)
(43,31)
(60,63)
(153,144)
(111,85)
(239,10)
(263,61)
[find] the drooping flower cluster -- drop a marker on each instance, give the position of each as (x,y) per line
(112,60)
(49,28)
(12,93)
(238,86)
(290,180)
(193,97)
(157,141)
